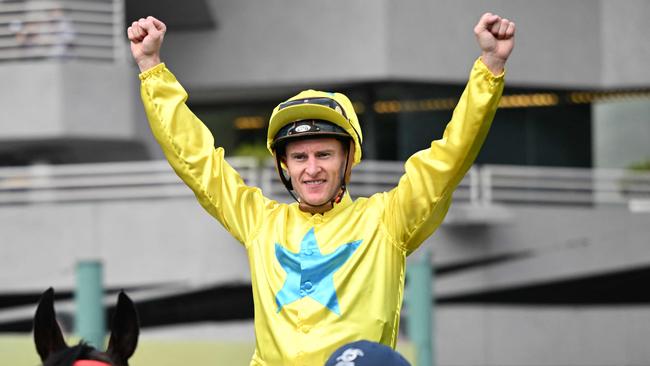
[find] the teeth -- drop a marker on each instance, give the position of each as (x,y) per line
(314,181)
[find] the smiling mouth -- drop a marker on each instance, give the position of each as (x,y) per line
(314,182)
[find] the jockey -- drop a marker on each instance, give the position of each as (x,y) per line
(325,270)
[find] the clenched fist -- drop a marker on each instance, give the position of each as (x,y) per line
(146,36)
(496,37)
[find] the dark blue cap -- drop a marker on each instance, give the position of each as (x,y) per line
(366,353)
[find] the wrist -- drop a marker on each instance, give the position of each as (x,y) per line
(147,63)
(495,64)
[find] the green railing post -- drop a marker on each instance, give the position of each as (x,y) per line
(90,324)
(420,306)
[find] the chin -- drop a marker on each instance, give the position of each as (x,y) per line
(318,203)
(315,201)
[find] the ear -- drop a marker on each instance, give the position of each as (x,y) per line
(125,329)
(47,333)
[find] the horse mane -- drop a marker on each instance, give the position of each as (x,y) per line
(81,351)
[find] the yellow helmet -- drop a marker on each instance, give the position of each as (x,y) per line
(316,107)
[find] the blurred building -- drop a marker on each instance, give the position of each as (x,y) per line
(542,259)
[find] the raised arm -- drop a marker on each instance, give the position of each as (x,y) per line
(419,203)
(186,142)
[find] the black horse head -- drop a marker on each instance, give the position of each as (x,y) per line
(54,351)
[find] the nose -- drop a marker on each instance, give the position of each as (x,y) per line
(312,167)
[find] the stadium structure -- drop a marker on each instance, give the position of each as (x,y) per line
(540,261)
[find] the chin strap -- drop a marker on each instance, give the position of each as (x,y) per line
(345,178)
(286,181)
(347,170)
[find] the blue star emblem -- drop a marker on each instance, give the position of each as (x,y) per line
(309,273)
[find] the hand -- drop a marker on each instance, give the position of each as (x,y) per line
(146,36)
(496,37)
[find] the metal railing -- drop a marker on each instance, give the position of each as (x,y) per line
(101,181)
(64,29)
(484,185)
(567,186)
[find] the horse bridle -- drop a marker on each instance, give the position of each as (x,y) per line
(90,363)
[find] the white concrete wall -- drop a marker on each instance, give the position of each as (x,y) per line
(31,107)
(575,43)
(279,42)
(165,241)
(621,131)
(625,47)
(555,42)
(52,99)
(151,241)
(551,244)
(542,336)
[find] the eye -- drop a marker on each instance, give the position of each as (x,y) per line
(324,154)
(298,157)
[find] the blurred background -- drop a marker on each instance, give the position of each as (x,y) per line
(542,259)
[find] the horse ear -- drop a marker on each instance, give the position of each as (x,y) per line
(47,333)
(125,329)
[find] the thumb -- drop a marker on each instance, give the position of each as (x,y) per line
(149,27)
(158,24)
(485,22)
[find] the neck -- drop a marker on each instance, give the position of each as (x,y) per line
(305,207)
(312,209)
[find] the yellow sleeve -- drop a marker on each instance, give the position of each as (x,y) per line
(189,147)
(419,203)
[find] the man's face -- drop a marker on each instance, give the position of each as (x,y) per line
(314,166)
